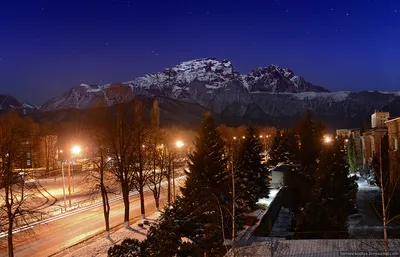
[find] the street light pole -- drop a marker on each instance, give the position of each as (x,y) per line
(73,183)
(179,145)
(62,173)
(69,182)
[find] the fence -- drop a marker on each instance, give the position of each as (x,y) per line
(269,218)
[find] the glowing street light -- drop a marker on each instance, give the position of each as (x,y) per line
(179,144)
(234,138)
(327,139)
(346,140)
(261,136)
(76,150)
(243,137)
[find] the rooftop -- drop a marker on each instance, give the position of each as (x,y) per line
(392,119)
(316,247)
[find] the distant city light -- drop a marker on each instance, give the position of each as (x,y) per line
(261,136)
(346,140)
(234,138)
(243,137)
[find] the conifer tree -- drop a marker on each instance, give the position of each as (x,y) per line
(352,154)
(201,213)
(332,197)
(251,174)
(284,148)
(275,152)
(311,135)
(206,196)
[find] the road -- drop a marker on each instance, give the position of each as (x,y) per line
(58,234)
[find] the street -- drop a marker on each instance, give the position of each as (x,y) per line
(51,237)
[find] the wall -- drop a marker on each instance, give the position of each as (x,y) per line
(269,218)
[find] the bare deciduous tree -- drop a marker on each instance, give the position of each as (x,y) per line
(14,198)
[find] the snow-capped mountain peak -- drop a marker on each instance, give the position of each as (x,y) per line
(188,81)
(209,70)
(276,79)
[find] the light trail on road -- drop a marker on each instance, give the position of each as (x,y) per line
(60,232)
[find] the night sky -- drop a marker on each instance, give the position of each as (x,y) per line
(47,47)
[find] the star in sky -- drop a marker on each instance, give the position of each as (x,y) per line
(340,45)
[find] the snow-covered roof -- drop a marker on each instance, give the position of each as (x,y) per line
(316,247)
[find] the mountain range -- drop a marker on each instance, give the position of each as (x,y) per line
(266,96)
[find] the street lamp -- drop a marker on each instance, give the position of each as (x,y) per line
(179,144)
(76,150)
(63,181)
(327,139)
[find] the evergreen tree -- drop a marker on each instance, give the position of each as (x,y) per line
(352,154)
(201,213)
(311,136)
(205,196)
(251,178)
(332,198)
(275,152)
(284,148)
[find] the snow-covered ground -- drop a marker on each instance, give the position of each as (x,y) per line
(366,223)
(267,201)
(98,247)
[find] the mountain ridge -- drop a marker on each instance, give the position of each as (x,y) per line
(268,95)
(186,81)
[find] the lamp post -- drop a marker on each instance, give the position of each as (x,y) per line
(63,181)
(76,150)
(179,144)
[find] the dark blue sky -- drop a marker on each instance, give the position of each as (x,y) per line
(46,47)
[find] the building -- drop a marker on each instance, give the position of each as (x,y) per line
(394,148)
(371,139)
(356,134)
(278,172)
(39,152)
(342,132)
(378,119)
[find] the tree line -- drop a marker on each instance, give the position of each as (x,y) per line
(218,190)
(319,190)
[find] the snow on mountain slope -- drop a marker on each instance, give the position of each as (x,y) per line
(189,81)
(276,79)
(336,96)
(261,95)
(8,102)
